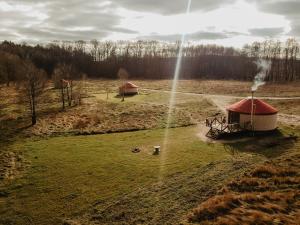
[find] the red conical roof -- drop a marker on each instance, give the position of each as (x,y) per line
(260,107)
(129,85)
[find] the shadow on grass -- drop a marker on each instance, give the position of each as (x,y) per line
(11,130)
(269,144)
(126,95)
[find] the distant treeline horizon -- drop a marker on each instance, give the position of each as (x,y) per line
(153,59)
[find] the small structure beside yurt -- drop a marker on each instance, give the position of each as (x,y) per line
(253,114)
(128,89)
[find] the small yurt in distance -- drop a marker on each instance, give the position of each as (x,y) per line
(264,117)
(128,89)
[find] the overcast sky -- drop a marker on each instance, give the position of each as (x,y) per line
(226,22)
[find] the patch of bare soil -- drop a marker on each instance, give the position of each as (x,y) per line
(269,194)
(168,201)
(202,131)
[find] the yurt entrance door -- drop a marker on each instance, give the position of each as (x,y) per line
(233,117)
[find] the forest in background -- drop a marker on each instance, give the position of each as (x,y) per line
(150,60)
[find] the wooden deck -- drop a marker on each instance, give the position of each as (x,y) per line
(219,126)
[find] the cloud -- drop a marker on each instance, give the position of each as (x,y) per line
(283,7)
(208,35)
(267,32)
(295,28)
(81,19)
(287,8)
(58,34)
(59,20)
(198,36)
(212,20)
(171,7)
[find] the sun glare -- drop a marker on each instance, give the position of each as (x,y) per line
(237,18)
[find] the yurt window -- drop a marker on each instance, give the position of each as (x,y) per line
(233,117)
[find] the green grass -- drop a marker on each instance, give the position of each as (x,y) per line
(67,174)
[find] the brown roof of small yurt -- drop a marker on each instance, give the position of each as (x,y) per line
(260,107)
(129,85)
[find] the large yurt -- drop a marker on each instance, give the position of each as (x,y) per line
(128,89)
(253,114)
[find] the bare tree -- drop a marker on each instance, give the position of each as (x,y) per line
(9,64)
(2,74)
(123,76)
(79,90)
(62,79)
(32,87)
(94,50)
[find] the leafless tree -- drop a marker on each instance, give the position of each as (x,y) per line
(62,78)
(123,76)
(9,64)
(94,51)
(157,60)
(32,87)
(79,90)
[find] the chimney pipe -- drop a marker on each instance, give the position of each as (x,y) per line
(252,109)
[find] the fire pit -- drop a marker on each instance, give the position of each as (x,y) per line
(156,150)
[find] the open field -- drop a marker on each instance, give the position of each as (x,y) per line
(75,167)
(68,175)
(100,114)
(226,87)
(287,106)
(72,173)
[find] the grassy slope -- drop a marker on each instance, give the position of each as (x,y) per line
(67,174)
(269,194)
(98,179)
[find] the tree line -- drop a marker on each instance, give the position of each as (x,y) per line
(153,59)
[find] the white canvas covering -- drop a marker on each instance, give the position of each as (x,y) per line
(260,122)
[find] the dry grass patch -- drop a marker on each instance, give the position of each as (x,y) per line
(287,106)
(267,195)
(98,114)
(270,170)
(223,87)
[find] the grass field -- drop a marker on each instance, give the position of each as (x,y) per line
(68,174)
(227,87)
(148,110)
(57,172)
(100,114)
(65,176)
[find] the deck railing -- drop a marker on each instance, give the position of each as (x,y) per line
(219,126)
